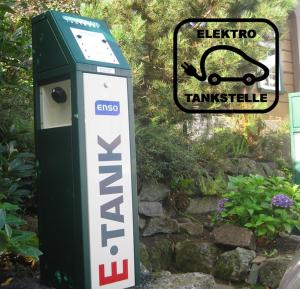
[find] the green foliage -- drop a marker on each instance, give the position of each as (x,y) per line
(210,186)
(16,101)
(164,154)
(15,65)
(144,30)
(183,185)
(213,152)
(17,163)
(251,126)
(12,238)
(17,170)
(249,205)
(17,177)
(271,253)
(178,199)
(226,142)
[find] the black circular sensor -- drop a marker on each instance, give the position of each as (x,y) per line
(59,95)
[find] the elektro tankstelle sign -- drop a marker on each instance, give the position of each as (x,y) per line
(228,65)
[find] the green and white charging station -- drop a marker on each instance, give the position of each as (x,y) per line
(294,111)
(84,130)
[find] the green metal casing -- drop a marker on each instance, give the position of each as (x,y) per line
(61,159)
(294,111)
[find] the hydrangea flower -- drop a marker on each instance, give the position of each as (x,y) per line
(221,204)
(282,201)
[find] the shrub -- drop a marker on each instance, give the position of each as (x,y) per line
(17,171)
(17,184)
(210,186)
(266,205)
(224,142)
(164,154)
(12,238)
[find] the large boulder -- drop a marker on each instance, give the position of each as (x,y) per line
(205,205)
(245,167)
(272,271)
(253,274)
(191,228)
(291,278)
(195,256)
(151,209)
(154,192)
(254,271)
(288,243)
(160,254)
(193,280)
(234,265)
(269,168)
(235,236)
(163,225)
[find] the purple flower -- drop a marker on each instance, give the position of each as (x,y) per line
(221,204)
(282,201)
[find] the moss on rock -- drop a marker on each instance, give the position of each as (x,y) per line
(196,256)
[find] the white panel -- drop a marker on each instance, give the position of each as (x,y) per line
(107,70)
(297,147)
(94,46)
(106,117)
(55,114)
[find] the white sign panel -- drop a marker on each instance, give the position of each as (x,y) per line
(94,46)
(109,181)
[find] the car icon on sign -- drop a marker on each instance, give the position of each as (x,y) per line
(215,78)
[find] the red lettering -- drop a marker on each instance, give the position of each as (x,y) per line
(115,277)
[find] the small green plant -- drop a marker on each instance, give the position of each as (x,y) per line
(210,186)
(12,238)
(223,143)
(266,205)
(271,253)
(181,189)
(183,185)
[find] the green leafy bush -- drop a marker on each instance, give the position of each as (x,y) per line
(210,186)
(12,238)
(17,185)
(222,143)
(252,202)
(17,171)
(164,154)
(183,185)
